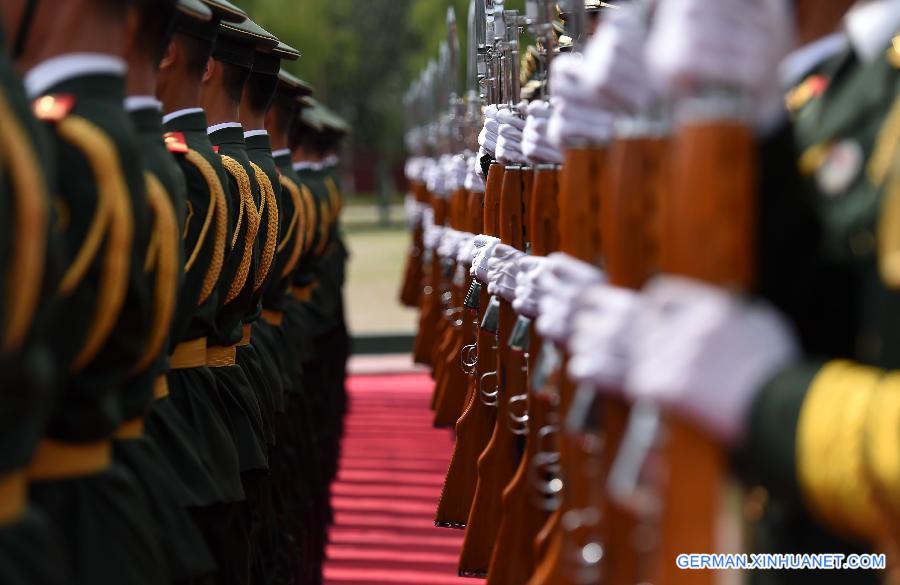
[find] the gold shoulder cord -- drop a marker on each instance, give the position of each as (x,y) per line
(218,208)
(162,256)
(325,226)
(270,203)
(297,228)
(334,197)
(112,218)
(309,206)
(248,206)
(26,270)
(882,446)
(830,454)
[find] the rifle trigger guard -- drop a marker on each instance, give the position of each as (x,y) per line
(518,424)
(468,358)
(488,398)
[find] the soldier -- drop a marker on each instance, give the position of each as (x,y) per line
(216,485)
(261,358)
(181,542)
(71,56)
(253,241)
(324,300)
(32,550)
(294,428)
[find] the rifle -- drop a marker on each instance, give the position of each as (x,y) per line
(428,301)
(708,223)
(475,425)
(526,504)
(500,459)
(411,287)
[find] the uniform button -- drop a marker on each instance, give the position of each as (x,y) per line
(862,243)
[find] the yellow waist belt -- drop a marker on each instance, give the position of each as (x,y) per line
(219,356)
(189,354)
(245,339)
(161,384)
(273,318)
(13,497)
(55,460)
(132,429)
(304,293)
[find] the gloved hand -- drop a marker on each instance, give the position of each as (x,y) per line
(455,169)
(563,279)
(706,353)
(615,69)
(578,115)
(487,139)
(528,291)
(600,344)
(727,43)
(474,180)
(414,167)
(413,210)
(502,270)
(536,147)
(483,250)
(465,249)
(449,242)
(433,235)
(434,178)
(509,141)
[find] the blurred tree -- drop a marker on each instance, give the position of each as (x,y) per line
(362,56)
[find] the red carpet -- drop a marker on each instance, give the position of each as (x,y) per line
(390,477)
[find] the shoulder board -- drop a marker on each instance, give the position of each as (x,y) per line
(810,88)
(176,142)
(53,108)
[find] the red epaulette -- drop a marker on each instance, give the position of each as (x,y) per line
(176,143)
(53,108)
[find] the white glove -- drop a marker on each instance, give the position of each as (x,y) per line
(449,242)
(601,334)
(563,280)
(413,210)
(465,249)
(509,141)
(536,147)
(455,170)
(474,181)
(414,167)
(706,353)
(578,115)
(731,43)
(615,69)
(432,237)
(483,246)
(502,270)
(487,139)
(528,292)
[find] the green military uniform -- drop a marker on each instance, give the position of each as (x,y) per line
(104,323)
(169,444)
(825,261)
(31,550)
(256,241)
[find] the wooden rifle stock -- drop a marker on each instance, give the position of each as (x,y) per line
(429,311)
(708,234)
(411,288)
(629,220)
(475,426)
(579,236)
(514,556)
(452,395)
(499,461)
